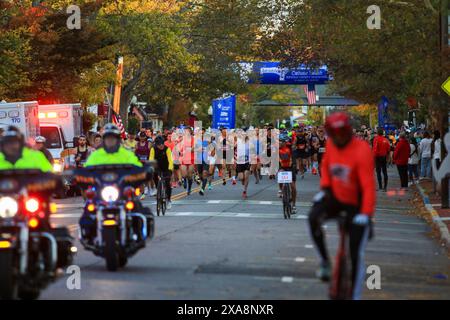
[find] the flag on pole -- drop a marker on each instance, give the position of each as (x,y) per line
(117,120)
(310,92)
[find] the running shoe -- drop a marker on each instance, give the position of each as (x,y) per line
(234,182)
(169,205)
(224,182)
(324,272)
(244,195)
(202,192)
(209,186)
(280,194)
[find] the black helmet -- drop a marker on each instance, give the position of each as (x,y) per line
(111,130)
(159,140)
(12,133)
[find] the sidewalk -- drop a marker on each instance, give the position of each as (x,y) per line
(425,203)
(438,217)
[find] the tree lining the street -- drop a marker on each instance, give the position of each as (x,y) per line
(187,51)
(400,60)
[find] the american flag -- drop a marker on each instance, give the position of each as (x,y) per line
(117,120)
(310,92)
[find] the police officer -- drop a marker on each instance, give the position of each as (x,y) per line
(14,154)
(111,151)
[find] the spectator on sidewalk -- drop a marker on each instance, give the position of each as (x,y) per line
(413,161)
(437,148)
(401,156)
(381,149)
(425,155)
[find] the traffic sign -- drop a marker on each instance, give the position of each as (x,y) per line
(446,86)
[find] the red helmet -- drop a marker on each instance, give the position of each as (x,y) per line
(338,123)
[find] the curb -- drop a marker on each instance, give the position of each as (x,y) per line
(442,227)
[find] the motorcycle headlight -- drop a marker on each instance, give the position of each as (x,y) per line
(8,207)
(110,193)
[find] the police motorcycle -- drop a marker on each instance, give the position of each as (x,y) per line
(115,225)
(31,250)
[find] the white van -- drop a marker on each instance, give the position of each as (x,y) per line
(60,124)
(24,116)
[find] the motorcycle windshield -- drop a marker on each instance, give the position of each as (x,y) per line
(34,181)
(121,175)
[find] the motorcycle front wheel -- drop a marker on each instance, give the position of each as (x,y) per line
(8,285)
(111,254)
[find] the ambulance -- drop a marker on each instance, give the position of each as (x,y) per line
(60,124)
(24,116)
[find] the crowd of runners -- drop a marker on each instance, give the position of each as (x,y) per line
(201,156)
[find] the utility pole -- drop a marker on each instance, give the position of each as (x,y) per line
(444,42)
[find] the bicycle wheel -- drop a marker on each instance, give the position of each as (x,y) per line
(159,206)
(287,209)
(289,200)
(341,284)
(163,197)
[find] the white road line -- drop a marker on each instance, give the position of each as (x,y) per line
(214,201)
(183,213)
(309,246)
(299,259)
(266,202)
(243,215)
(287,279)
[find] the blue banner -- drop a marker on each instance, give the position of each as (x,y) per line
(224,112)
(272,73)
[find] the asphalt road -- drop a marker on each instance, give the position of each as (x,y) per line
(222,247)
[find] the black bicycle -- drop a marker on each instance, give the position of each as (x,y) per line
(161,197)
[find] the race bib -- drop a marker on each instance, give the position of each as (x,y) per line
(321,150)
(285,177)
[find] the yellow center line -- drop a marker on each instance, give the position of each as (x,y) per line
(183,194)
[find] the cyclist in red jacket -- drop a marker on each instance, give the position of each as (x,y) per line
(347,185)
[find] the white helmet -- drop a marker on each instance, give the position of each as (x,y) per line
(40,139)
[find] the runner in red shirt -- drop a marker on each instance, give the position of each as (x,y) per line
(348,186)
(187,159)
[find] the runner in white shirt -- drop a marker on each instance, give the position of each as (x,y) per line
(243,162)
